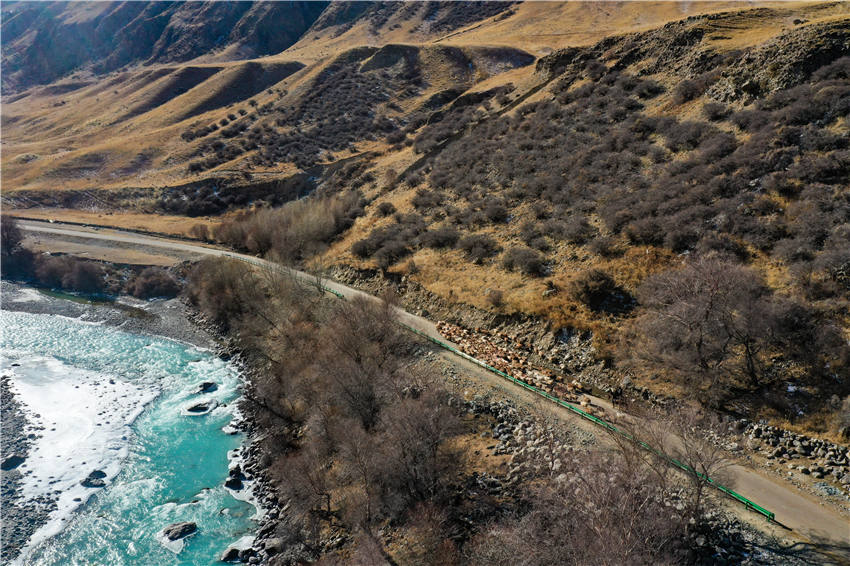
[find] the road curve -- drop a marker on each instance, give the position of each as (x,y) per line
(809,519)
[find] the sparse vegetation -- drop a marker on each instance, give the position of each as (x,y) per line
(526,260)
(294,231)
(675,200)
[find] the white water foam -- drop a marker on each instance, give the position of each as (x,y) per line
(86,418)
(25,295)
(249,485)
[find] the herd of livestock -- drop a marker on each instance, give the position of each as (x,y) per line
(515,363)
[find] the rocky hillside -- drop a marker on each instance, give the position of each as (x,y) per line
(44,41)
(572,162)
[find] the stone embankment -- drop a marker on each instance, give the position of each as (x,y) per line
(817,458)
(810,456)
(564,351)
(539,449)
(517,364)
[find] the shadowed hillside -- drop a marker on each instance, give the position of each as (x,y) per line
(43,41)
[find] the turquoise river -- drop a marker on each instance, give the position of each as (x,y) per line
(116,403)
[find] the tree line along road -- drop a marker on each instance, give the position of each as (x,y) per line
(808,519)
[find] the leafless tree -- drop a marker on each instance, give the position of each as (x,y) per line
(10,236)
(674,446)
(413,432)
(706,322)
(597,512)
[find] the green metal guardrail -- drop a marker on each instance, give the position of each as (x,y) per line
(596,420)
(749,504)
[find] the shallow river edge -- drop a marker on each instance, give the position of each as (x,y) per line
(172,319)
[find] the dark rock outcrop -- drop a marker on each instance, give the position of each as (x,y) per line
(12,462)
(94,479)
(230,555)
(179,530)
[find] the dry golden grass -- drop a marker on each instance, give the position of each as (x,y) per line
(63,131)
(541,27)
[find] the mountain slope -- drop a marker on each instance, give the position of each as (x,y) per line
(44,41)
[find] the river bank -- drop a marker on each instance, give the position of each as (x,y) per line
(38,393)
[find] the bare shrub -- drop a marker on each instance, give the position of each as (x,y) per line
(495,298)
(224,289)
(715,111)
(577,230)
(386,209)
(598,290)
(50,270)
(478,247)
(295,231)
(687,90)
(200,231)
(15,259)
(10,236)
(153,282)
(85,276)
(445,237)
(605,246)
(525,260)
(70,273)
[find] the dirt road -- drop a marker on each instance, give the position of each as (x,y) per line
(808,519)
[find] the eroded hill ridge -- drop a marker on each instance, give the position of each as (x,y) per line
(519,158)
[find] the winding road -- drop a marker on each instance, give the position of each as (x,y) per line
(808,519)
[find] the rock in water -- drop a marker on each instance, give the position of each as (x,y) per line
(94,479)
(202,408)
(233,483)
(179,530)
(12,462)
(230,555)
(207,387)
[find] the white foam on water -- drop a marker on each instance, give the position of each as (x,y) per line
(247,493)
(175,546)
(74,396)
(86,418)
(25,295)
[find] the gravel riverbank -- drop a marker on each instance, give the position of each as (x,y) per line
(166,318)
(21,518)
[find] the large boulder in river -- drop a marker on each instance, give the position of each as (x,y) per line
(202,408)
(94,479)
(12,462)
(179,530)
